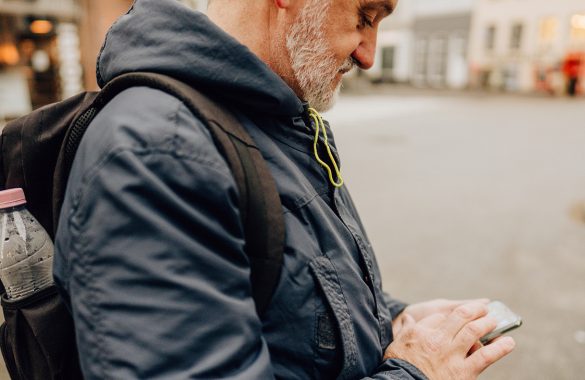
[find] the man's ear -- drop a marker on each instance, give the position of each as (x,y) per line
(282,4)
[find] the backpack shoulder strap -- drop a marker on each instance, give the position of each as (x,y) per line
(260,204)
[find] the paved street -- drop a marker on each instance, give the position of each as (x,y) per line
(478,196)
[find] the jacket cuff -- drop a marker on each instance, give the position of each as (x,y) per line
(405,367)
(396,307)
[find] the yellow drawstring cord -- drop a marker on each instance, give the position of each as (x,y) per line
(320,125)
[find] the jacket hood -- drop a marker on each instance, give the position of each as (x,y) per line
(166,37)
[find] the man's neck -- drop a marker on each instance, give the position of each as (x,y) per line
(260,27)
(246,21)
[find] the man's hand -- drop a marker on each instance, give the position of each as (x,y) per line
(422,310)
(440,343)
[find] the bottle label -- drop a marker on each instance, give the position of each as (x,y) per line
(26,258)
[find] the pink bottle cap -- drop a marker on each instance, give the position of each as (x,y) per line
(12,198)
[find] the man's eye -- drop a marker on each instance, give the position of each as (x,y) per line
(366,21)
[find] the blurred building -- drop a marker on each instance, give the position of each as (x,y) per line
(48,48)
(39,53)
(394,50)
(198,5)
(425,43)
(441,37)
(523,45)
(95,19)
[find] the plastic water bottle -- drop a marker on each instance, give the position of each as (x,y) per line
(26,250)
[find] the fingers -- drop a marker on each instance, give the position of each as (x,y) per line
(462,315)
(397,325)
(456,303)
(446,346)
(448,306)
(476,346)
(473,331)
(487,355)
(463,302)
(443,306)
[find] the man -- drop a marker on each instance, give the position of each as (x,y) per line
(149,249)
(572,70)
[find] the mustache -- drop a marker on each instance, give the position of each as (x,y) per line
(349,64)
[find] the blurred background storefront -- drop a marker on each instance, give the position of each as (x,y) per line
(40,53)
(48,49)
(425,43)
(503,45)
(521,47)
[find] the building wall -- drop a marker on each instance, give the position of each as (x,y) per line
(399,41)
(395,33)
(96,19)
(435,8)
(440,50)
(430,40)
(539,52)
(41,68)
(62,9)
(198,5)
(39,54)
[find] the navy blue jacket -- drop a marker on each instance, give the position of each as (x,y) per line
(149,250)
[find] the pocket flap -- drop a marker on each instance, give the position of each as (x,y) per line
(327,279)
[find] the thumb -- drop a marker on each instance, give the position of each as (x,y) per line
(408,320)
(405,321)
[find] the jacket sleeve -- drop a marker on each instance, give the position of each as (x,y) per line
(156,273)
(397,369)
(394,306)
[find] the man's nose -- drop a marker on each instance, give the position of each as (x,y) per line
(365,53)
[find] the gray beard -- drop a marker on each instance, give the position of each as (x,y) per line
(312,61)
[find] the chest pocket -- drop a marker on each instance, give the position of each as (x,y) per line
(334,324)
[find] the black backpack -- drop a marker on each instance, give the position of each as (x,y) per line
(36,154)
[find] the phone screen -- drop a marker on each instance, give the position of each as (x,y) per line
(507,320)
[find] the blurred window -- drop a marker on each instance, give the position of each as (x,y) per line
(458,45)
(490,38)
(516,36)
(549,27)
(388,53)
(578,27)
(420,60)
(437,61)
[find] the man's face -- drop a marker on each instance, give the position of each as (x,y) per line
(327,39)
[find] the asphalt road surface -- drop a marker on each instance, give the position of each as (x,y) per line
(468,195)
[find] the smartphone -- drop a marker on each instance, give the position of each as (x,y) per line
(507,321)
